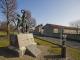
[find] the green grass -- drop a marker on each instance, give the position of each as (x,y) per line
(54,50)
(4,43)
(52,47)
(42,42)
(3,33)
(74,53)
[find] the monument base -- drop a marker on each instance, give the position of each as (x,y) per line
(23,41)
(22,51)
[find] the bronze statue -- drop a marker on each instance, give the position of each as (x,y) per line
(23,22)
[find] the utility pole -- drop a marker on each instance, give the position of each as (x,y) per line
(63,48)
(77,29)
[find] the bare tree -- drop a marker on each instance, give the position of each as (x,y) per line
(33,22)
(0,23)
(3,25)
(75,24)
(30,19)
(8,8)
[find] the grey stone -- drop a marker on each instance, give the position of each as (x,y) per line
(25,39)
(22,41)
(33,49)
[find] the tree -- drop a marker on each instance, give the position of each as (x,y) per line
(0,23)
(75,24)
(8,8)
(33,22)
(30,20)
(3,26)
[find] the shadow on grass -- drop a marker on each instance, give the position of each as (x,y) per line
(12,54)
(8,53)
(52,57)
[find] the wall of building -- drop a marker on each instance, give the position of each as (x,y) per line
(48,31)
(69,31)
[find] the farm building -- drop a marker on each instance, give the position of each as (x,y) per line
(55,30)
(38,29)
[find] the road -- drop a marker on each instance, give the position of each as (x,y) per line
(59,41)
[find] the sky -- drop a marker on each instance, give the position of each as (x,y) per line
(60,12)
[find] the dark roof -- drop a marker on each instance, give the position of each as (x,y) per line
(39,25)
(59,26)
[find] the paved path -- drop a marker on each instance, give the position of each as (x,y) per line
(59,41)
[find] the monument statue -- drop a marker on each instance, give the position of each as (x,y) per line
(23,22)
(24,39)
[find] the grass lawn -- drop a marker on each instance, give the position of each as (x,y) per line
(3,33)
(52,47)
(4,43)
(74,53)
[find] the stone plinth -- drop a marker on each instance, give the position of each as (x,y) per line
(22,41)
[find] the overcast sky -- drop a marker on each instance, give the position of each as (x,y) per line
(60,12)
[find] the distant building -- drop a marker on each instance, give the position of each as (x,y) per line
(38,29)
(52,29)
